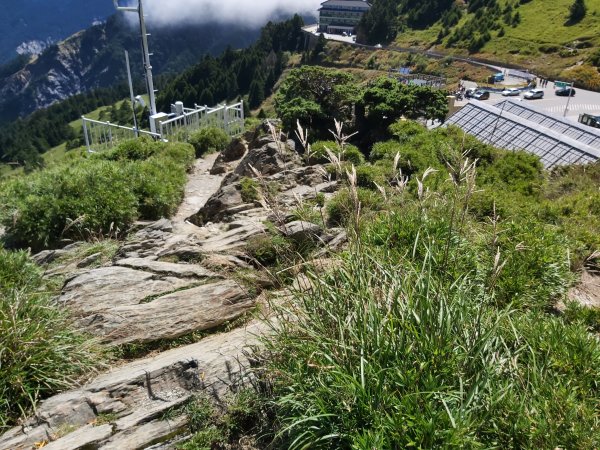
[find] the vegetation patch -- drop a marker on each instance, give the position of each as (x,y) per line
(41,351)
(96,197)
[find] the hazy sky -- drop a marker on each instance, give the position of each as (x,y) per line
(252,12)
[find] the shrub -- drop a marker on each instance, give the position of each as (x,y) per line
(405,130)
(341,208)
(210,139)
(269,249)
(75,201)
(368,175)
(94,197)
(132,150)
(249,190)
(516,171)
(41,353)
(351,153)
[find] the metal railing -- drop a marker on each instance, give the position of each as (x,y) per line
(229,118)
(104,135)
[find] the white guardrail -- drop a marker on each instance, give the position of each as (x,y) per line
(105,135)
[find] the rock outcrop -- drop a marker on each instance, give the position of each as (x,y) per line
(169,279)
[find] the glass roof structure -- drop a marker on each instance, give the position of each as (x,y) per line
(517,126)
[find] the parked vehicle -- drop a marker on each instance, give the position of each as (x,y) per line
(481,95)
(511,92)
(470,92)
(533,94)
(589,120)
(496,78)
(565,92)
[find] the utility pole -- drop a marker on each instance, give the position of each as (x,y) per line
(145,52)
(135,124)
(569,99)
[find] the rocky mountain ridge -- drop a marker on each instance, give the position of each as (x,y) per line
(94,58)
(169,279)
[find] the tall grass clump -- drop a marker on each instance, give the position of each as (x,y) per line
(99,196)
(40,352)
(434,333)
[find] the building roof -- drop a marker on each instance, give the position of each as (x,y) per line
(524,129)
(575,130)
(347,3)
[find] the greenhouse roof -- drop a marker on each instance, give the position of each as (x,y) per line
(516,126)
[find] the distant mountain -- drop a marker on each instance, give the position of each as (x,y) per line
(94,58)
(27,23)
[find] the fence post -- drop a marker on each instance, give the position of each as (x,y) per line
(85,134)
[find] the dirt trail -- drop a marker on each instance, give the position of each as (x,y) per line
(200,186)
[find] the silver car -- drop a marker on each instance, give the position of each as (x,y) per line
(533,94)
(511,92)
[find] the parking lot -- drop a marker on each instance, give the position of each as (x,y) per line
(583,102)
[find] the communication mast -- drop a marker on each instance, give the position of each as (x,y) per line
(139,9)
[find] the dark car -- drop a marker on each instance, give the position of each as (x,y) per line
(566,92)
(470,92)
(481,95)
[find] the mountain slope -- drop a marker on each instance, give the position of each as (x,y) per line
(40,20)
(94,58)
(532,33)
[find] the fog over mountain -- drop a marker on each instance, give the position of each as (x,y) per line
(253,13)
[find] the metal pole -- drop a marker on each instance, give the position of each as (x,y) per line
(85,134)
(145,51)
(147,65)
(135,124)
(568,99)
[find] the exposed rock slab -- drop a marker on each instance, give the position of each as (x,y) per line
(166,268)
(107,287)
(234,237)
(145,435)
(170,316)
(83,438)
(143,387)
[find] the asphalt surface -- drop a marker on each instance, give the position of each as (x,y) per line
(583,101)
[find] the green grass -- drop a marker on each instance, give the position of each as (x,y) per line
(41,352)
(437,331)
(543,22)
(97,196)
(424,339)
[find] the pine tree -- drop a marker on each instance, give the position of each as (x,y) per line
(577,11)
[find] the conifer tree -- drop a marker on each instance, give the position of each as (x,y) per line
(577,11)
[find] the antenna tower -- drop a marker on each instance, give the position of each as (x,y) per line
(139,9)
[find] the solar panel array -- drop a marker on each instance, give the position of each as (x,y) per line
(577,131)
(505,129)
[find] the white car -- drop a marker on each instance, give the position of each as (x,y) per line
(534,93)
(379,46)
(511,92)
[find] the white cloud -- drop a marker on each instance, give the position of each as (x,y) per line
(251,12)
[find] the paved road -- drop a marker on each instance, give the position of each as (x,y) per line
(583,102)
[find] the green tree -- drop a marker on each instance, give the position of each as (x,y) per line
(316,96)
(577,11)
(257,93)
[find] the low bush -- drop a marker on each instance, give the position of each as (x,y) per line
(269,248)
(249,190)
(341,208)
(210,139)
(372,175)
(98,196)
(40,351)
(440,319)
(350,154)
